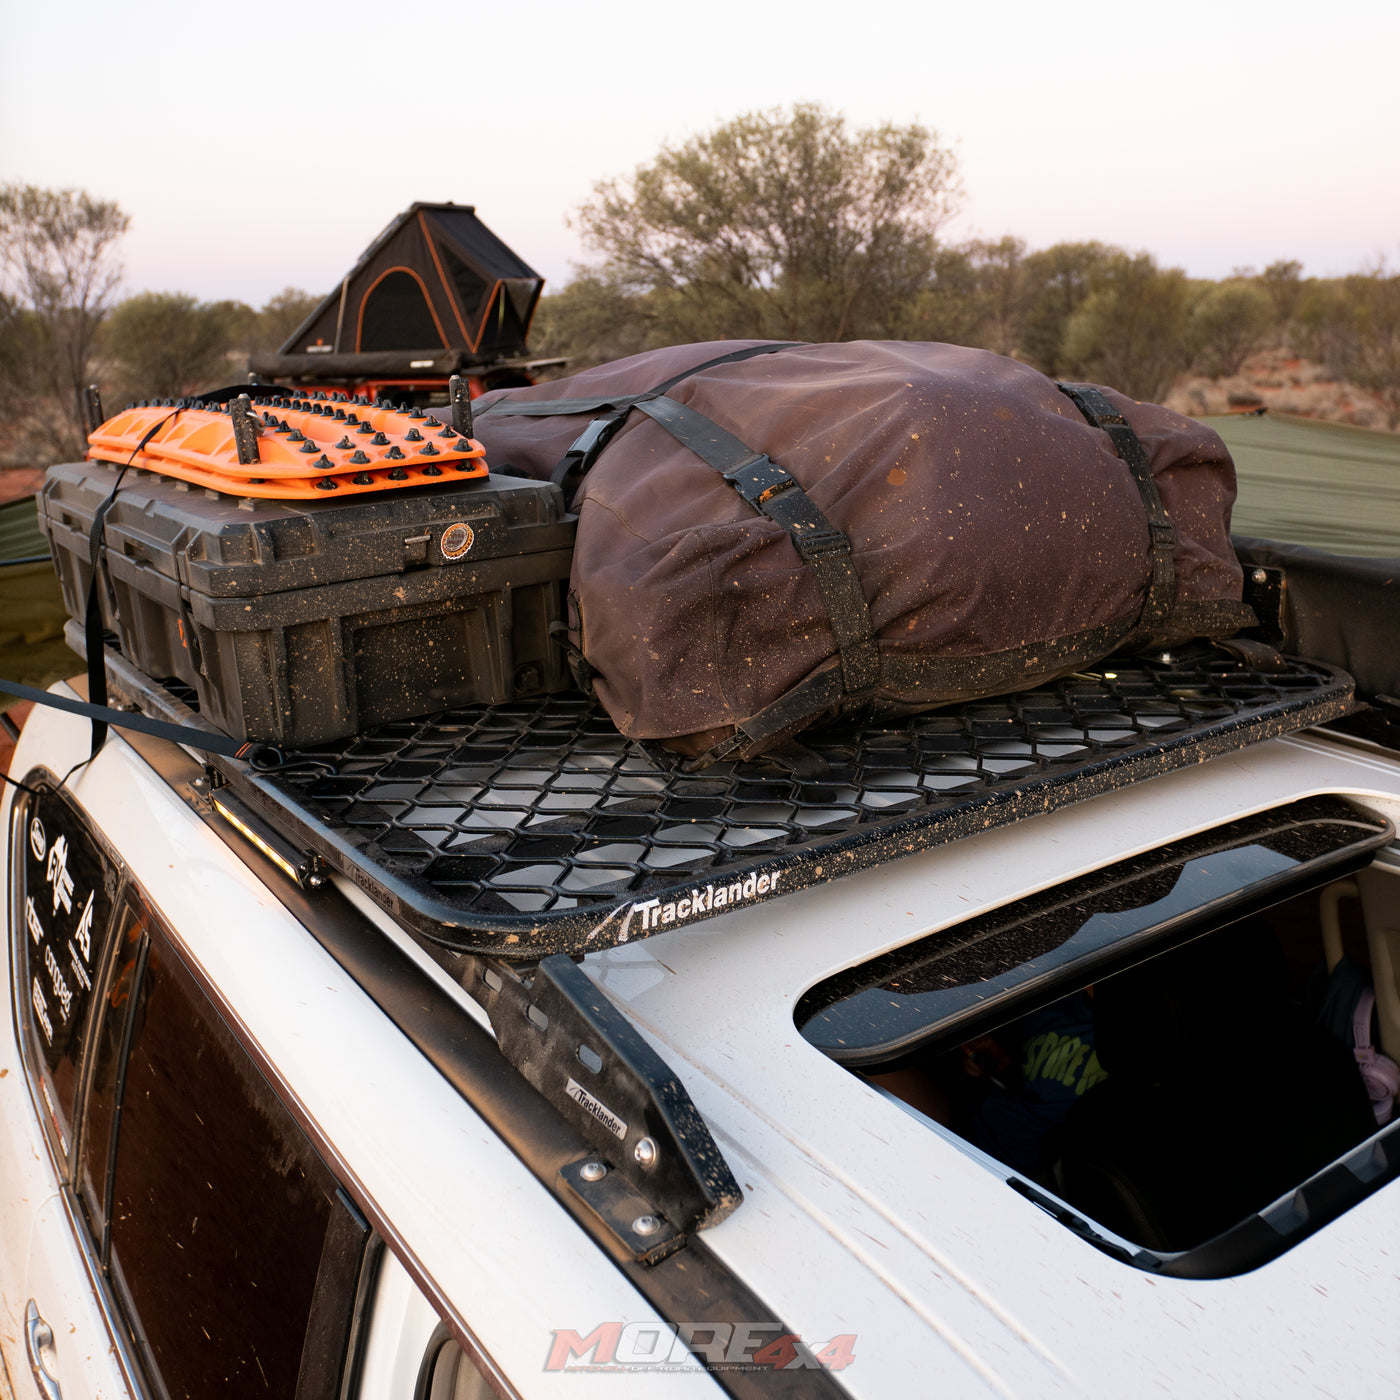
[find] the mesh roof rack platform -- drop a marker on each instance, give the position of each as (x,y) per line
(534,828)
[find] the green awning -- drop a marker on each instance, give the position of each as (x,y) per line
(1319,484)
(19,533)
(32,649)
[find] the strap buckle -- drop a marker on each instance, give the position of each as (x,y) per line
(583,452)
(820,543)
(758,479)
(593,439)
(1163,535)
(726,748)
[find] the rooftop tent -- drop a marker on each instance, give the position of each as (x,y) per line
(437,291)
(32,613)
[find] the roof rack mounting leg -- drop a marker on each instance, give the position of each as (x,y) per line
(657,1173)
(1265,590)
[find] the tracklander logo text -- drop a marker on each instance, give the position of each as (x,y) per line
(705,901)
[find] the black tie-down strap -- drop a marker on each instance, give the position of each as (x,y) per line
(772,491)
(92,614)
(1161,587)
(265,757)
(568,474)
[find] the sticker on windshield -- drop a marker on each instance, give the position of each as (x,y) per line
(67,905)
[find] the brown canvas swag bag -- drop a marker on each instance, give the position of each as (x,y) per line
(773,535)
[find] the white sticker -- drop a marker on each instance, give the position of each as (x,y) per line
(38,843)
(60,988)
(31,917)
(59,877)
(80,975)
(41,1009)
(84,934)
(707,901)
(597,1108)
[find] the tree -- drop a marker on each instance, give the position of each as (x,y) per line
(1228,324)
(1130,333)
(1375,359)
(27,431)
(58,255)
(1324,324)
(1353,327)
(1283,281)
(593,320)
(975,296)
(1056,282)
(16,352)
(948,308)
(272,326)
(780,224)
(167,344)
(999,269)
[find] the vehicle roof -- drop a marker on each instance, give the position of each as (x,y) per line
(858,1217)
(918,1218)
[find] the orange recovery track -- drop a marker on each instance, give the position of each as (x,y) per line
(307,448)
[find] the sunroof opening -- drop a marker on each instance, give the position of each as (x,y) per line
(1168,1055)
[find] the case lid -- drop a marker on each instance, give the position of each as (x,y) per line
(231,547)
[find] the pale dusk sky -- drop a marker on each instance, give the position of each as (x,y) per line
(259,145)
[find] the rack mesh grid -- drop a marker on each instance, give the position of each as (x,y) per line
(536,827)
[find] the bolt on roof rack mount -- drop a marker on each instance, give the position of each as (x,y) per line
(656,1174)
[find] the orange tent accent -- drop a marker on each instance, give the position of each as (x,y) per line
(307,448)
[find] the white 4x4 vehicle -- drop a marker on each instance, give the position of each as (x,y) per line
(992,1053)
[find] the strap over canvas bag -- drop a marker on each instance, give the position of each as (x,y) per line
(771,535)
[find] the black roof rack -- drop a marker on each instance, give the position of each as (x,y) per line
(534,828)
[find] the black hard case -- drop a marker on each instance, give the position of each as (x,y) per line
(301,622)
